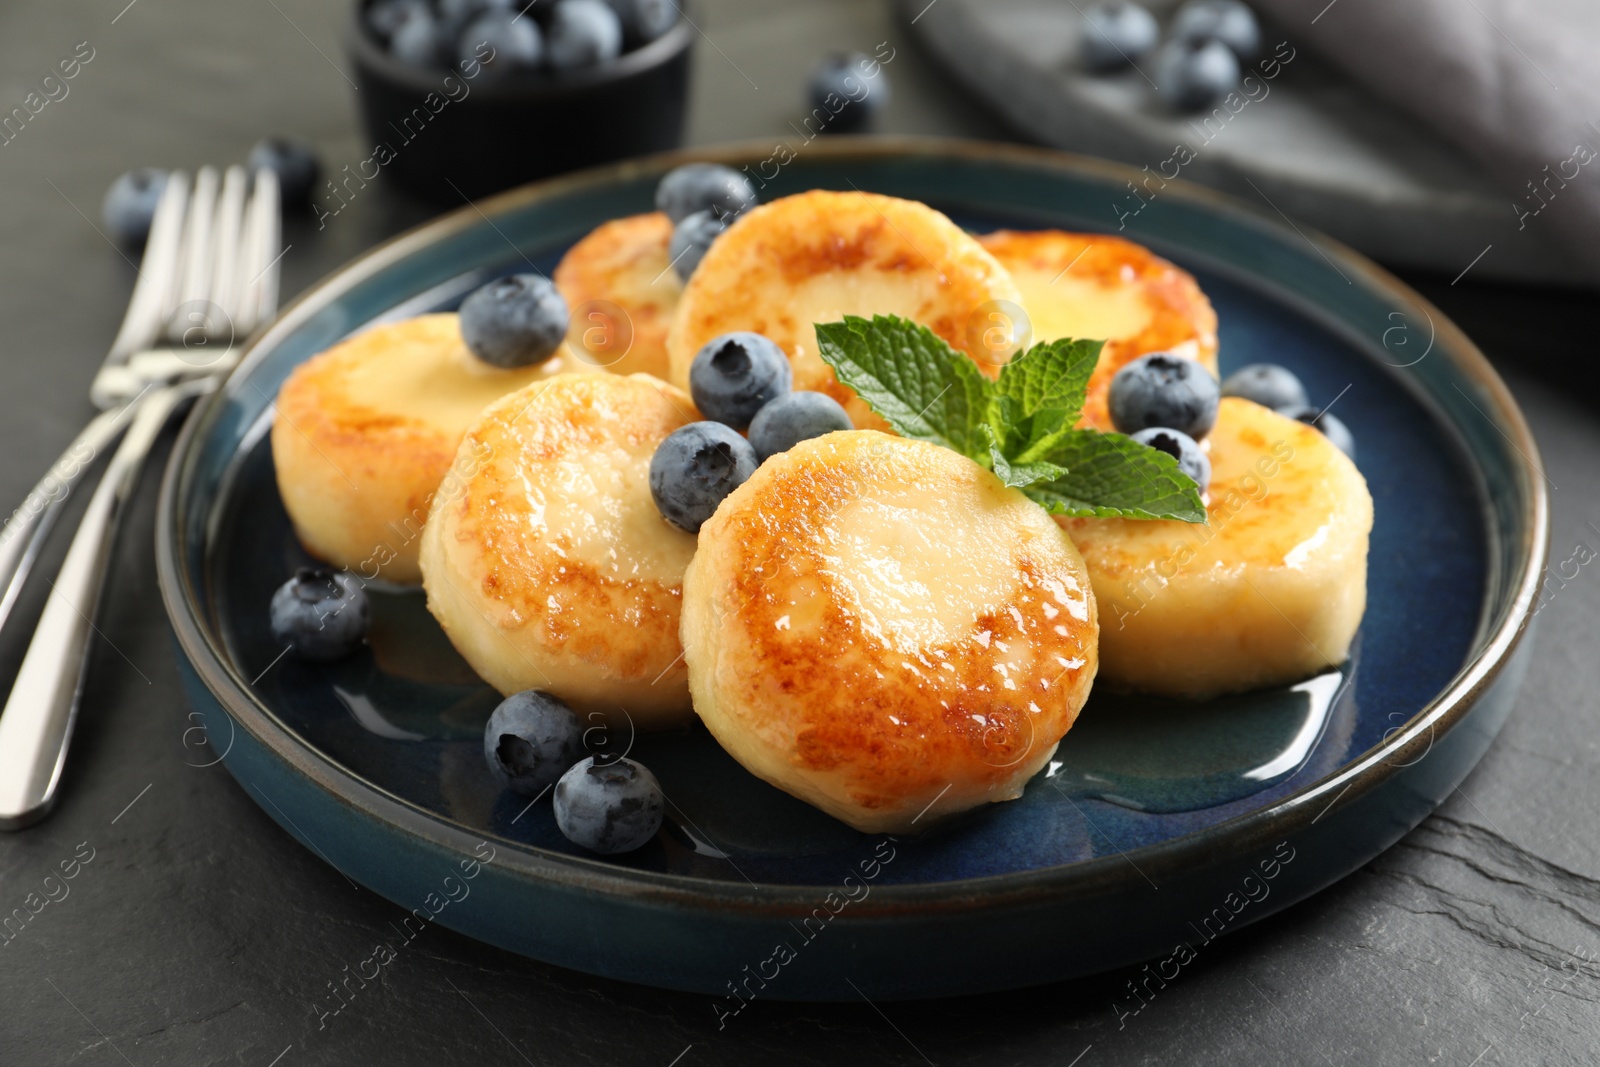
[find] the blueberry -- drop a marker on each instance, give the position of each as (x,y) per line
(454,16)
(385,17)
(735,375)
(692,239)
(694,470)
(1267,384)
(517,321)
(509,42)
(1332,427)
(418,40)
(847,91)
(711,187)
(131,202)
(1181,447)
(1228,21)
(531,740)
(320,614)
(1164,390)
(795,417)
(1195,75)
(644,20)
(583,33)
(609,807)
(1116,33)
(294,162)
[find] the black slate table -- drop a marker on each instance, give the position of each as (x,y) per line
(197,932)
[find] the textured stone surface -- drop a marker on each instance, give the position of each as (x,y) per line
(199,933)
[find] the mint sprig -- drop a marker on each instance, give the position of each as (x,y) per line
(1022,426)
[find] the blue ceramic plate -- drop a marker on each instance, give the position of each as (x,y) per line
(1158,828)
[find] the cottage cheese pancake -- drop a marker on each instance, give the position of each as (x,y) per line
(1106,288)
(365,433)
(1270,590)
(816,257)
(622,289)
(881,628)
(552,568)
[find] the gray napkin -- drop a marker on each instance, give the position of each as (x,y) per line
(1513,82)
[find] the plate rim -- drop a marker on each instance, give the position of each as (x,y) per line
(1059,883)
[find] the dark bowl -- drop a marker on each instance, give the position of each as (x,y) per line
(447,137)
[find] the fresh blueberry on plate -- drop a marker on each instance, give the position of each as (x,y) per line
(531,740)
(1267,384)
(695,469)
(322,615)
(1228,21)
(1163,390)
(795,417)
(735,375)
(294,162)
(583,33)
(516,321)
(1332,427)
(1181,447)
(1194,75)
(385,17)
(846,91)
(609,807)
(419,40)
(509,42)
(711,187)
(644,20)
(691,239)
(130,204)
(1116,33)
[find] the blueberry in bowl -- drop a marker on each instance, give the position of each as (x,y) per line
(463,98)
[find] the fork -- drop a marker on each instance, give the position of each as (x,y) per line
(208,276)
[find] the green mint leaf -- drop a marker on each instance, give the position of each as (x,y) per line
(1018,475)
(1021,427)
(1051,375)
(906,373)
(1039,435)
(1111,476)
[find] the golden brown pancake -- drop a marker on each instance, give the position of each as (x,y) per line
(1096,286)
(622,292)
(1269,591)
(551,568)
(883,629)
(818,256)
(365,433)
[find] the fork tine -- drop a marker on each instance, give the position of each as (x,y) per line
(265,225)
(226,265)
(158,273)
(198,248)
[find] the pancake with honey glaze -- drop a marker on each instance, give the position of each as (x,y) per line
(818,256)
(552,568)
(365,433)
(1269,591)
(622,290)
(1095,285)
(883,629)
